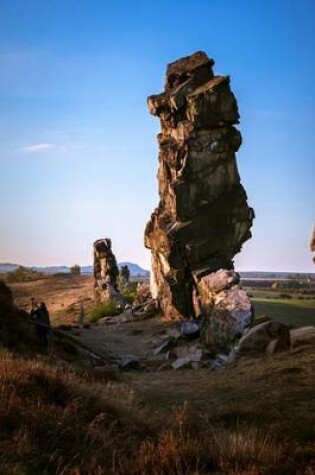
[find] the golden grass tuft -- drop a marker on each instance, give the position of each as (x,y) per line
(55,420)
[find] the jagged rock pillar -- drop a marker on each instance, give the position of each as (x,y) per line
(312,244)
(105,271)
(203,217)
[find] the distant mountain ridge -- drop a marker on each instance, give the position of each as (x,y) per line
(135,269)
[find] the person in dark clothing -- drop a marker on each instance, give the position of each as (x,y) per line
(43,325)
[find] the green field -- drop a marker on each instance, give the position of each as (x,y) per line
(290,311)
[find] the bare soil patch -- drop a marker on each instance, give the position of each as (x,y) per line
(62,295)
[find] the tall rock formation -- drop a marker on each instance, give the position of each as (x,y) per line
(312,245)
(105,271)
(203,217)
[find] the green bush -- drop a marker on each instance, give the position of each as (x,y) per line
(129,295)
(23,274)
(105,309)
(285,296)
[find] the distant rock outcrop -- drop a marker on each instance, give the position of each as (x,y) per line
(106,272)
(203,217)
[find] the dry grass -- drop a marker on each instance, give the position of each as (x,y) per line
(62,295)
(256,418)
(53,420)
(56,421)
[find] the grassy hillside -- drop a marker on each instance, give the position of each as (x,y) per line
(290,311)
(253,419)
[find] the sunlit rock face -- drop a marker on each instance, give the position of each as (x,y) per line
(313,244)
(106,271)
(203,217)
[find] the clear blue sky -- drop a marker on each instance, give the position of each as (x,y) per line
(78,148)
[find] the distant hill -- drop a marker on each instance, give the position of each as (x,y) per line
(7,267)
(135,270)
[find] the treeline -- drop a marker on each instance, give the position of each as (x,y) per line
(287,284)
(27,274)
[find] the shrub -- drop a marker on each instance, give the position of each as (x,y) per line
(75,270)
(105,309)
(284,296)
(129,295)
(23,274)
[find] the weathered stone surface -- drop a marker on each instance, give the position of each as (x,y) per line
(194,352)
(129,362)
(181,363)
(163,347)
(268,337)
(105,273)
(212,284)
(124,276)
(302,336)
(193,355)
(227,316)
(202,218)
(191,329)
(313,244)
(124,317)
(260,319)
(144,305)
(220,360)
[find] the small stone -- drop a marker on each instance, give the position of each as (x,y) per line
(191,328)
(163,347)
(180,363)
(302,336)
(271,348)
(192,352)
(174,332)
(129,362)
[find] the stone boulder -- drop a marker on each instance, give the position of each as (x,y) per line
(193,355)
(227,309)
(268,337)
(144,305)
(302,336)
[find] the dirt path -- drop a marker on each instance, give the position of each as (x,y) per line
(117,340)
(272,391)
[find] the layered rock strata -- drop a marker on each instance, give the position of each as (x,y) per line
(203,217)
(106,272)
